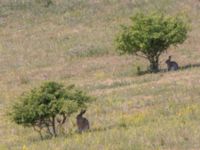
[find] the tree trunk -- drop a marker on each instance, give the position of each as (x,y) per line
(54,126)
(49,130)
(154,65)
(41,135)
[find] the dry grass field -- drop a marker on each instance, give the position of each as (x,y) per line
(72,41)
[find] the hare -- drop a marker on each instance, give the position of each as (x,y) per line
(82,123)
(171,65)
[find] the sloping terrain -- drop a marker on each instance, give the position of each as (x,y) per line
(73,42)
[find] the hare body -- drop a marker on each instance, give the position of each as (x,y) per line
(82,123)
(171,65)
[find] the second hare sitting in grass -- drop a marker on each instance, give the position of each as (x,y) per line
(82,123)
(171,65)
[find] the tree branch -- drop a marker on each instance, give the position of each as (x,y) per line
(54,126)
(48,129)
(64,118)
(140,55)
(38,130)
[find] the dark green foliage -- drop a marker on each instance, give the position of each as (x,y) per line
(47,107)
(150,35)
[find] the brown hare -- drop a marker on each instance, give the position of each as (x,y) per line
(82,123)
(171,65)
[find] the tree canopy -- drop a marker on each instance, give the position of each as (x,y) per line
(149,35)
(48,106)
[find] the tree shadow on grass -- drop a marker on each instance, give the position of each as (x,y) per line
(190,66)
(185,67)
(36,139)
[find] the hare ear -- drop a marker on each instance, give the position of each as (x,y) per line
(170,57)
(83,111)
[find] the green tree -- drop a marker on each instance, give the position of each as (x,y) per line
(46,108)
(150,35)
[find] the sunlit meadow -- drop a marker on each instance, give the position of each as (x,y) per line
(72,41)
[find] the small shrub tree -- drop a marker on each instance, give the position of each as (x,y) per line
(46,108)
(150,35)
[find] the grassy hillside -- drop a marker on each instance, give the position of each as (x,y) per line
(72,42)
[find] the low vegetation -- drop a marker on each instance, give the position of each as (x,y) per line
(72,42)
